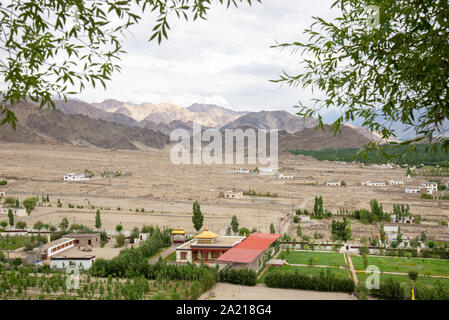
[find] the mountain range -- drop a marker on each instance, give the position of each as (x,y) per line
(112,124)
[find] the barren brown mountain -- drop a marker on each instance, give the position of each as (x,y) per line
(311,139)
(280,120)
(48,125)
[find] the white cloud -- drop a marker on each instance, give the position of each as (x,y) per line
(226,60)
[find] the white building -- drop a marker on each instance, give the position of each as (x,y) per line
(63,262)
(333,183)
(56,247)
(412,190)
(430,186)
(233,194)
(267,171)
(408,219)
(241,170)
(396,182)
(281,176)
(141,238)
(374,184)
(75,177)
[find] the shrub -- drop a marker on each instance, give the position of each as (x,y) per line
(326,281)
(243,276)
(120,239)
(389,290)
(244,231)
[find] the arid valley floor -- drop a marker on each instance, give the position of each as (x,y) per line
(166,191)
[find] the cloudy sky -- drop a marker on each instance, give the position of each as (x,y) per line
(226,60)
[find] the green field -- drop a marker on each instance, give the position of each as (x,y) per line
(405,280)
(339,273)
(13,243)
(319,258)
(404,265)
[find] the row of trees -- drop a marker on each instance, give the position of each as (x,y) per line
(29,204)
(245,277)
(341,229)
(326,281)
(376,213)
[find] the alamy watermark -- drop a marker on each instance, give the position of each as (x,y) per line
(373,19)
(373,280)
(190,150)
(73,280)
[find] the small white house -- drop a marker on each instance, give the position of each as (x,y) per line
(304,218)
(282,176)
(333,183)
(75,177)
(396,182)
(233,194)
(408,219)
(412,190)
(374,184)
(142,237)
(241,170)
(430,186)
(267,171)
(63,262)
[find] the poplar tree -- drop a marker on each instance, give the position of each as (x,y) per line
(197,217)
(234,224)
(97,219)
(11,217)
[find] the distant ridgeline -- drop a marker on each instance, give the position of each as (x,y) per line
(350,154)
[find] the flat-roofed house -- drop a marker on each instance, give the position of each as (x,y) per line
(282,176)
(85,239)
(333,183)
(75,177)
(241,170)
(55,247)
(412,190)
(206,246)
(250,252)
(430,187)
(396,182)
(374,184)
(233,194)
(83,262)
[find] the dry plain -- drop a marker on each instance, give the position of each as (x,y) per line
(166,191)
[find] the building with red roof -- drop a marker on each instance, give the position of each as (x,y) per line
(250,252)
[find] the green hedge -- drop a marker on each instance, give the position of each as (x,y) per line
(389,290)
(438,292)
(326,281)
(244,276)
